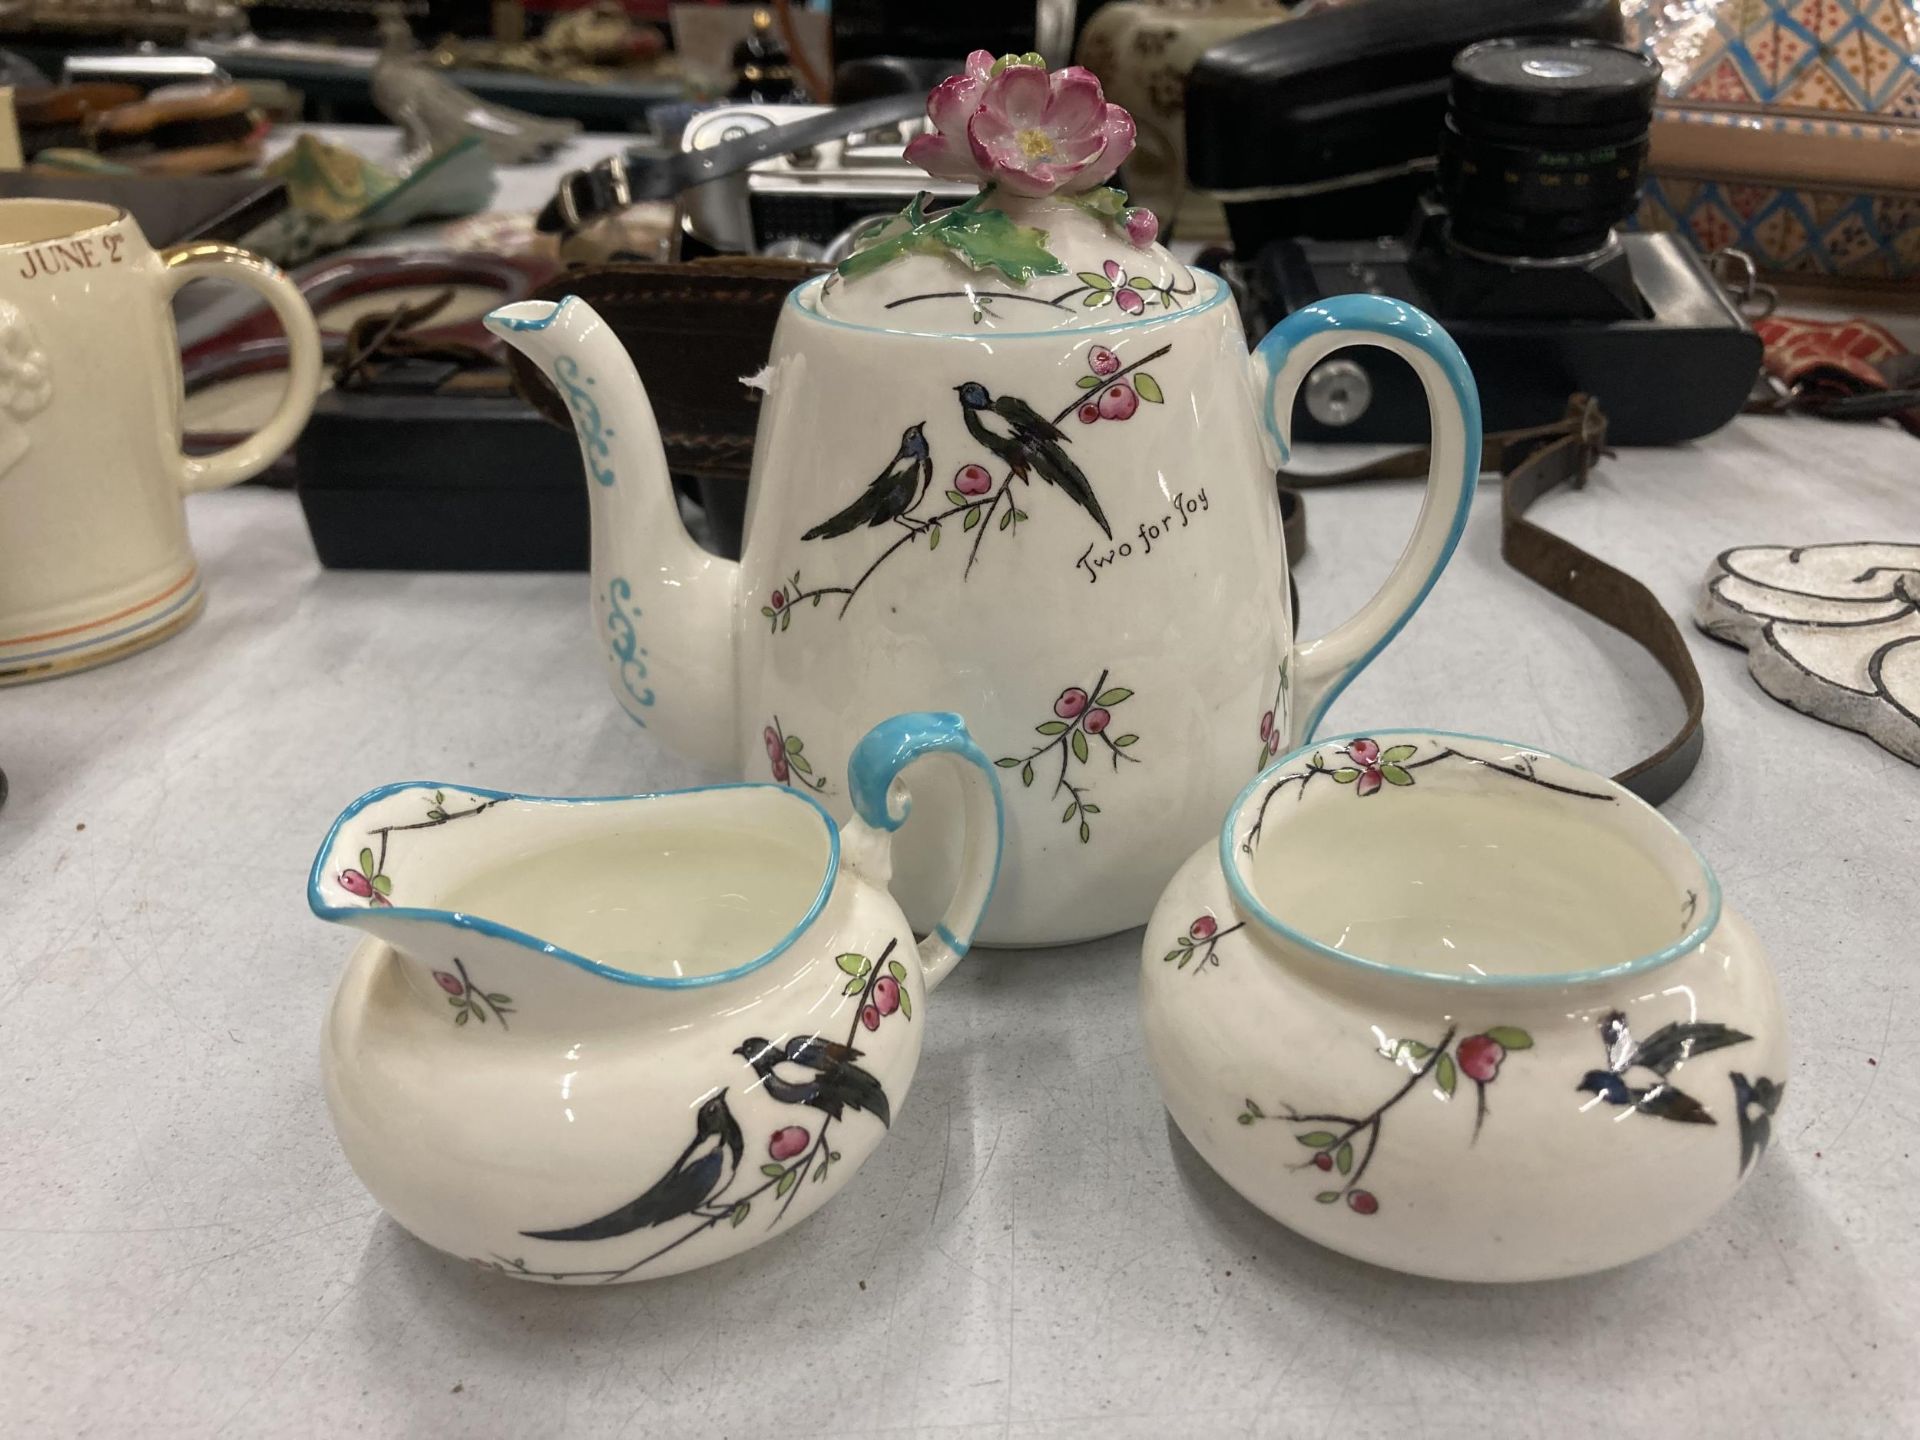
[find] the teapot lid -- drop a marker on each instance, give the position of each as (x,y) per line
(1046,244)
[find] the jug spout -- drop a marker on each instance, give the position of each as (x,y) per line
(663,607)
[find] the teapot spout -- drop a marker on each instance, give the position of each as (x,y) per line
(663,608)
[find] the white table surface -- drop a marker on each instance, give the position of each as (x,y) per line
(1034,1252)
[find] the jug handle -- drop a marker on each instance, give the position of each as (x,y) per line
(1323,668)
(210,261)
(882,804)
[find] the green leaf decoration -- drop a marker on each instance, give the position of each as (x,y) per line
(1511,1037)
(1244,1119)
(956,497)
(381,884)
(897,971)
(852,963)
(1416,1049)
(973,519)
(787,1181)
(1006,519)
(1316,1139)
(1073,808)
(461,1018)
(1343,1158)
(1255,1111)
(821,1173)
(1080,746)
(366,862)
(1026,774)
(436,814)
(773,1171)
(1089,382)
(1112,696)
(1327,1197)
(816,601)
(992,240)
(1346,775)
(1089,809)
(1394,754)
(1094,299)
(1446,1076)
(795,745)
(1125,740)
(906,1013)
(1394,775)
(802,764)
(1095,279)
(439,797)
(498,999)
(456,1000)
(1085,833)
(767,610)
(1019,515)
(1104,202)
(1052,727)
(852,987)
(933,538)
(834,1155)
(786,619)
(1147,388)
(1007,762)
(740,1212)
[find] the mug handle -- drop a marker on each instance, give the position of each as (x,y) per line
(882,804)
(1324,667)
(204,260)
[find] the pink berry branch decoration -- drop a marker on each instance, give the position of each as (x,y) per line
(787,759)
(1333,1138)
(470,1002)
(981,504)
(1369,767)
(793,1151)
(1272,730)
(370,881)
(1202,939)
(1079,714)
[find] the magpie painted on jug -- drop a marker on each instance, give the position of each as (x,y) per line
(1007,452)
(1461,1008)
(593,1041)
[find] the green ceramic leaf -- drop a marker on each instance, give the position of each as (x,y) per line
(1026,774)
(1080,746)
(1006,519)
(933,538)
(1019,515)
(1244,1119)
(773,1171)
(795,745)
(956,497)
(786,1183)
(1255,1110)
(1073,808)
(1007,762)
(1095,279)
(786,619)
(366,862)
(1112,696)
(1511,1037)
(852,963)
(1147,388)
(1089,382)
(1125,740)
(1394,775)
(802,764)
(501,1000)
(1343,1158)
(1316,1139)
(906,1013)
(1346,775)
(740,1212)
(436,813)
(992,240)
(382,884)
(852,987)
(897,971)
(1327,1197)
(973,519)
(461,1018)
(1094,299)
(1397,753)
(768,611)
(1103,201)
(1089,809)
(1052,727)
(1085,833)
(1445,1076)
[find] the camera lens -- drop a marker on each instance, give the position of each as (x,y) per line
(1543,144)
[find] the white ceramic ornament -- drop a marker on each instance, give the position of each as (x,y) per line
(592,1041)
(1461,1008)
(1831,630)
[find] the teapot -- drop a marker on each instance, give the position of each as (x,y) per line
(600,1040)
(1013,460)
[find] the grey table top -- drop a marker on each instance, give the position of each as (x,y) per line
(1034,1252)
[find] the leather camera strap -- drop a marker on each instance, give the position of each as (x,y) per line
(1532,462)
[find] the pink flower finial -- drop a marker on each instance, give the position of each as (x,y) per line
(1010,123)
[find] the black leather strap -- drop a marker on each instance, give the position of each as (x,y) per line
(1531,463)
(620,180)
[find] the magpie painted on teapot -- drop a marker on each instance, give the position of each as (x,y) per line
(593,1041)
(1013,460)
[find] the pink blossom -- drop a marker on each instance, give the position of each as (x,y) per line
(1203,928)
(1032,133)
(1129,300)
(788,1142)
(354,883)
(449,982)
(1364,752)
(1143,227)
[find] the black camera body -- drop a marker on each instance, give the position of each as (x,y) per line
(1515,160)
(1672,362)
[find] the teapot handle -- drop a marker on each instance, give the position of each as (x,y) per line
(1282,361)
(880,802)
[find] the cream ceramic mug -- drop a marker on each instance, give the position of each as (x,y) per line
(94,560)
